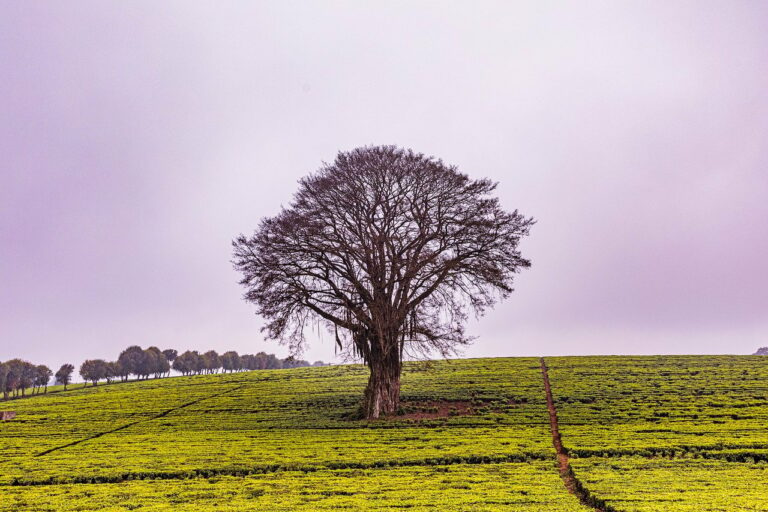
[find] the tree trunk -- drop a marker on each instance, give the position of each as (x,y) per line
(382,395)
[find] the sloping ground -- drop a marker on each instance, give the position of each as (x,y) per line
(528,487)
(666,433)
(283,440)
(628,405)
(677,434)
(646,484)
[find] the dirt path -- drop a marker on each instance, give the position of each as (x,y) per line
(572,483)
(123,427)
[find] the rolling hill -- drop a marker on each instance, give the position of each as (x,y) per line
(672,433)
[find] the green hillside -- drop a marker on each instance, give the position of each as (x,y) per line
(473,435)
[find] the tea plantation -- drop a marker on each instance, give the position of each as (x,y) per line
(643,434)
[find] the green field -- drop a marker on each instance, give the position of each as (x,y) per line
(644,434)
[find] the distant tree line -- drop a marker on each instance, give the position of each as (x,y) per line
(153,362)
(18,376)
(192,362)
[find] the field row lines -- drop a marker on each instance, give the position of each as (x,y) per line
(143,420)
(274,468)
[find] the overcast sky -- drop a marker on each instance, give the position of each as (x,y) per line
(138,138)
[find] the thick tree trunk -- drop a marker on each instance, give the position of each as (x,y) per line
(382,395)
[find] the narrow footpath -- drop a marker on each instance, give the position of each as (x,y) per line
(572,483)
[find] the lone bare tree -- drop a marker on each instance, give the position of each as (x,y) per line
(391,250)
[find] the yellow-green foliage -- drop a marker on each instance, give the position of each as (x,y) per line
(662,405)
(678,434)
(667,433)
(639,484)
(528,487)
(207,440)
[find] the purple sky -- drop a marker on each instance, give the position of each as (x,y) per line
(138,138)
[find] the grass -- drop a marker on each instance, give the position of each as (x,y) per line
(529,487)
(640,484)
(284,440)
(661,404)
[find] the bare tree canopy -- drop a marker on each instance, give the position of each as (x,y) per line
(391,250)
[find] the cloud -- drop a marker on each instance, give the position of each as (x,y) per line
(139,139)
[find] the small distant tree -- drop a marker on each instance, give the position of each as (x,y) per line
(170,356)
(261,361)
(762,351)
(391,251)
(133,361)
(28,376)
(113,371)
(196,362)
(292,362)
(64,375)
(148,362)
(189,362)
(155,363)
(163,367)
(318,363)
(211,361)
(4,379)
(248,361)
(274,362)
(179,364)
(102,368)
(13,377)
(121,370)
(43,376)
(231,361)
(93,370)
